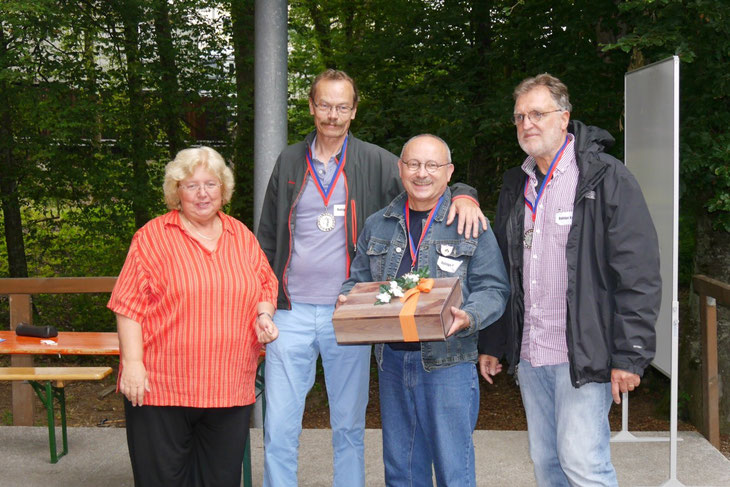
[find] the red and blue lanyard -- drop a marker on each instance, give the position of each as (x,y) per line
(340,166)
(414,248)
(551,170)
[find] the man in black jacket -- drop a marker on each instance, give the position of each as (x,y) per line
(582,255)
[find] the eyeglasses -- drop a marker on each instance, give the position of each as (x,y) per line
(431,166)
(533,115)
(325,108)
(209,187)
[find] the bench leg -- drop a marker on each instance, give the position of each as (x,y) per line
(60,393)
(46,395)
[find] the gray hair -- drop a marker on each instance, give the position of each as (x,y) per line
(558,90)
(448,151)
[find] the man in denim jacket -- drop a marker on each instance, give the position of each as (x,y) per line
(429,392)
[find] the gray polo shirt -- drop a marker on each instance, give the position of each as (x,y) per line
(318,264)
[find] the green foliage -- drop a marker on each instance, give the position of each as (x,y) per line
(82,148)
(75,157)
(698,31)
(449,68)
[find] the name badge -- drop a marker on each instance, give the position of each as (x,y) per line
(339,210)
(448,265)
(564,218)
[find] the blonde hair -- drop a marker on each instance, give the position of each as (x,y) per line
(184,165)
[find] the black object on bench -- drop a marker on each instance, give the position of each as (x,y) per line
(26,330)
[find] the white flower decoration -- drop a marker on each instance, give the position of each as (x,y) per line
(395,289)
(383,298)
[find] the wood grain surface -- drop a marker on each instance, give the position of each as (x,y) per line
(360,320)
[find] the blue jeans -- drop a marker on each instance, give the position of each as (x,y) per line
(568,428)
(428,420)
(304,333)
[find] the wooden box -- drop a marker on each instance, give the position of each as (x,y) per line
(360,320)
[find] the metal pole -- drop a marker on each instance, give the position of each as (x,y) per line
(673,481)
(270,101)
(270,93)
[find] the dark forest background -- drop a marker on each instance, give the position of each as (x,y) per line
(97,95)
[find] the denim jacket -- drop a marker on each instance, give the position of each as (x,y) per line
(481,272)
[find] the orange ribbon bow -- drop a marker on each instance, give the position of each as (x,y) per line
(407,313)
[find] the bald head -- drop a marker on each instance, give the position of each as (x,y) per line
(436,137)
(425,170)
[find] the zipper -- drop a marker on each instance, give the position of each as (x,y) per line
(347,253)
(353,219)
(284,277)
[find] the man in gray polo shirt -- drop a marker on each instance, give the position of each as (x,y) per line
(320,193)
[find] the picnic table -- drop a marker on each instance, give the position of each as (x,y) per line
(54,379)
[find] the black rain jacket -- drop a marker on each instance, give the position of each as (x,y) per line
(614,284)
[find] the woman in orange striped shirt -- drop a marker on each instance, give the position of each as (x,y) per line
(194,302)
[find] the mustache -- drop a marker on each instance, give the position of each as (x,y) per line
(421,180)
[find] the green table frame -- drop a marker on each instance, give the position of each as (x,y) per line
(47,393)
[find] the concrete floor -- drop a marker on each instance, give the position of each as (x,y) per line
(98,457)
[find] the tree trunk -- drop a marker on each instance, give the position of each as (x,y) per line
(322,33)
(242,16)
(169,90)
(9,168)
(481,27)
(136,150)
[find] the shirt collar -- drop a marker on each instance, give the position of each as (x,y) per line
(396,208)
(312,146)
(172,218)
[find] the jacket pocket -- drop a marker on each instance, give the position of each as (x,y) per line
(452,257)
(377,252)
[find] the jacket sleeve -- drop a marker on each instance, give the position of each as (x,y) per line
(488,285)
(493,339)
(632,250)
(266,232)
(461,190)
(389,179)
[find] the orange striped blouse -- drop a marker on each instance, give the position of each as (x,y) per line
(197,310)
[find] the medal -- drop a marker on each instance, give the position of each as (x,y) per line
(429,220)
(528,239)
(326,221)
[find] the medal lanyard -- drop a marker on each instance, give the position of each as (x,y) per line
(551,170)
(414,248)
(340,166)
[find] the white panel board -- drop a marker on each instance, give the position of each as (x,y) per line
(652,155)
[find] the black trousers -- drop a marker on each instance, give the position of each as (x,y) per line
(181,446)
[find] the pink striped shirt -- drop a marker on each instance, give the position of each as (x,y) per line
(544,271)
(197,310)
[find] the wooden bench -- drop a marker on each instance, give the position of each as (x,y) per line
(55,379)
